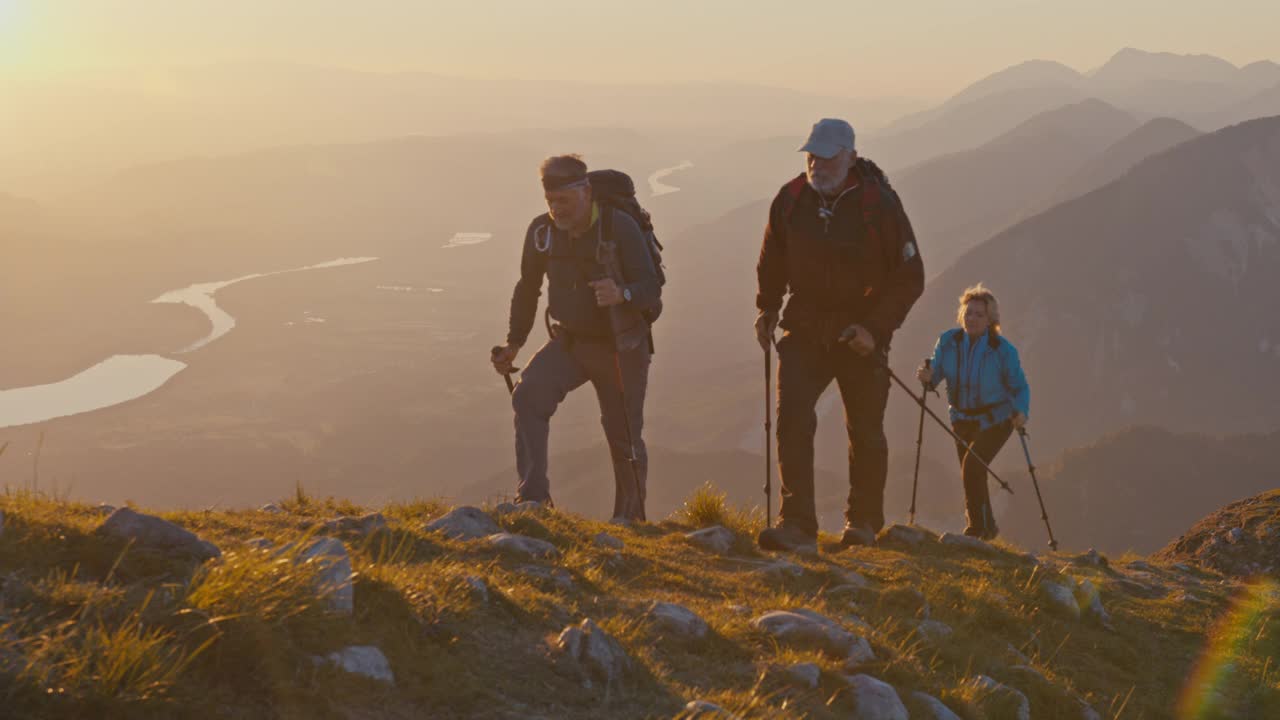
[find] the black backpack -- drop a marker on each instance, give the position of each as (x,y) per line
(614,189)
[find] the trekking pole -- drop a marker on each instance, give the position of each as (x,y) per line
(768,435)
(511,386)
(915,478)
(631,442)
(1044,514)
(920,401)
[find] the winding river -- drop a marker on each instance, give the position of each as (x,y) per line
(122,378)
(657,187)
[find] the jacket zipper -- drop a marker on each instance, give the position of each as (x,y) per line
(827,214)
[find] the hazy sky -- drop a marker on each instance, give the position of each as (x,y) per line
(924,48)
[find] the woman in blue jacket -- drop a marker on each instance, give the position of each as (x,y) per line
(988,393)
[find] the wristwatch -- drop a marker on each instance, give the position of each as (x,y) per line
(626,294)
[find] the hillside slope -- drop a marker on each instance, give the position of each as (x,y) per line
(92,625)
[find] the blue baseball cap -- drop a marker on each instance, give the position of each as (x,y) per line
(828,137)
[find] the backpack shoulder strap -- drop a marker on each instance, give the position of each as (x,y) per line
(606,222)
(791,194)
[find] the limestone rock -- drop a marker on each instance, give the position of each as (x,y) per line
(779,570)
(1092,558)
(1088,598)
(157,533)
(479,588)
(522,545)
(365,660)
(1060,599)
(860,653)
(905,535)
(365,524)
(678,620)
(934,632)
(333,579)
(716,539)
(875,700)
(803,629)
(1001,701)
(927,707)
(593,652)
(605,540)
(969,543)
(560,578)
(464,523)
(804,675)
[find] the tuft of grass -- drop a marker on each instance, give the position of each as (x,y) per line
(709,506)
(269,586)
(96,662)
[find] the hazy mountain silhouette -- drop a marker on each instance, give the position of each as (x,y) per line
(1202,90)
(1261,73)
(237,107)
(1181,86)
(959,200)
(965,125)
(1131,67)
(1263,104)
(1025,75)
(1153,137)
(1140,488)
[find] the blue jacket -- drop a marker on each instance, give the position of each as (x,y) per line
(980,376)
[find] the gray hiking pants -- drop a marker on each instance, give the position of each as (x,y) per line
(563,365)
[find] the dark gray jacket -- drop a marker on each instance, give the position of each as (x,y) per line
(569,265)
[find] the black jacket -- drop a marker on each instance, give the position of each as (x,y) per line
(850,261)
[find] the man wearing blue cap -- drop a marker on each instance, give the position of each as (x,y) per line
(839,243)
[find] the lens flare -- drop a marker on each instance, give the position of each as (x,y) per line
(1229,643)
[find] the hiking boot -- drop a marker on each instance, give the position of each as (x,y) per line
(857,534)
(787,538)
(542,504)
(982,533)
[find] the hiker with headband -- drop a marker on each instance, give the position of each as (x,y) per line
(988,392)
(604,290)
(839,242)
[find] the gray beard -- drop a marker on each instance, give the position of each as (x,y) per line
(826,189)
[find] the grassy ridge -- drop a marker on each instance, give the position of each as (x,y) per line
(91,627)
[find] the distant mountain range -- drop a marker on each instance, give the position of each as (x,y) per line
(961,199)
(1204,91)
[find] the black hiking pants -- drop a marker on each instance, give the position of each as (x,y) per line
(985,444)
(805,370)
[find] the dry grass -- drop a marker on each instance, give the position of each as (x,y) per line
(90,627)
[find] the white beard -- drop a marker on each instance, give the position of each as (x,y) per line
(826,186)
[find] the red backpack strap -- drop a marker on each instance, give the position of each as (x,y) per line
(791,195)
